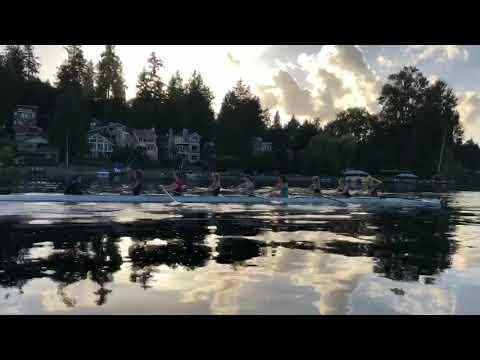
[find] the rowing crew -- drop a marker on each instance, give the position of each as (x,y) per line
(247,187)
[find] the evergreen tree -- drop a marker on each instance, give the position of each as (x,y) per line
(147,106)
(88,79)
(110,82)
(198,102)
(276,121)
(175,110)
(70,123)
(240,119)
(31,62)
(71,74)
(14,61)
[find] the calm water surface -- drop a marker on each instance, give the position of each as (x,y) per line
(218,259)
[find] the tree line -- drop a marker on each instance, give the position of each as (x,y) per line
(417,125)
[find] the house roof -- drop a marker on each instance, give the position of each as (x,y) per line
(37,140)
(97,134)
(146,133)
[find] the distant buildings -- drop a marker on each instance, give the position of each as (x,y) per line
(185,146)
(31,140)
(104,138)
(260,146)
(146,139)
(99,146)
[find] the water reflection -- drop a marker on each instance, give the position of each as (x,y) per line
(250,260)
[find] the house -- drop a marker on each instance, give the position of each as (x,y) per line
(146,139)
(117,133)
(184,145)
(260,146)
(31,140)
(99,146)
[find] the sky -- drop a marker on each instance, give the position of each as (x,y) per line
(306,80)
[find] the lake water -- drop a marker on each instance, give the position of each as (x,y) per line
(218,259)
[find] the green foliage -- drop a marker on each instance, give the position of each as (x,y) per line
(72,73)
(240,119)
(109,78)
(356,122)
(9,176)
(70,123)
(7,155)
(326,154)
(31,62)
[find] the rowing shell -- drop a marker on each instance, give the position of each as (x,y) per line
(369,202)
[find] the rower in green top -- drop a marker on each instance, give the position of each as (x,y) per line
(281,189)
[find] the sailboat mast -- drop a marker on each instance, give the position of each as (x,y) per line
(66,149)
(441,152)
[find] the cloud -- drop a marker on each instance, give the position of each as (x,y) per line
(439,53)
(232,59)
(469,110)
(335,78)
(384,61)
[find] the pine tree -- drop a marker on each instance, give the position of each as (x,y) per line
(31,62)
(14,61)
(88,80)
(110,82)
(156,84)
(149,84)
(71,74)
(198,102)
(276,121)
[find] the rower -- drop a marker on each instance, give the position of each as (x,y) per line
(316,186)
(343,189)
(281,189)
(178,186)
(215,186)
(247,186)
(138,182)
(372,185)
(74,187)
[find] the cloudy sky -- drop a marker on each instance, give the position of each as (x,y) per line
(305,80)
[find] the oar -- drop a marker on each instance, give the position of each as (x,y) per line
(332,199)
(275,202)
(174,202)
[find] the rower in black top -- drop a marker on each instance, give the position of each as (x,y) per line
(74,186)
(215,187)
(138,182)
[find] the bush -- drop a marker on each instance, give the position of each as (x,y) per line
(9,176)
(7,156)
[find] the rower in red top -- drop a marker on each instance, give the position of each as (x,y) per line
(178,186)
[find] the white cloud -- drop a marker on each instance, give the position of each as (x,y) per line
(438,53)
(469,109)
(337,77)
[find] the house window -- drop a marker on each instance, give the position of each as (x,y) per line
(194,158)
(194,148)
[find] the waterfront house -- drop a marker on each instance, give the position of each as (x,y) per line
(146,139)
(99,146)
(184,145)
(31,140)
(260,146)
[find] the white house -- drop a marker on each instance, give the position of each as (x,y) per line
(99,146)
(117,133)
(146,139)
(260,146)
(185,145)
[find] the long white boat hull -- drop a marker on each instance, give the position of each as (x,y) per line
(369,202)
